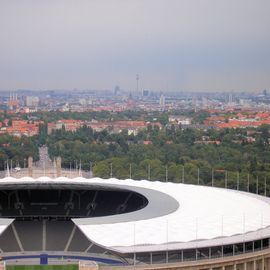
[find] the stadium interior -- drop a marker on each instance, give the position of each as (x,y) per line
(64,204)
(43,213)
(44,216)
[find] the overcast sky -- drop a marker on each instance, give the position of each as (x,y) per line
(172,44)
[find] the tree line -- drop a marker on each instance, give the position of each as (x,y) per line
(171,153)
(172,148)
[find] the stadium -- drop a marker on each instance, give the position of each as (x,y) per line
(128,223)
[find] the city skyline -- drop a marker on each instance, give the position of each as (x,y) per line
(172,45)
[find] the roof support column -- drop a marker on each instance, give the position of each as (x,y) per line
(134,259)
(254,265)
(222,251)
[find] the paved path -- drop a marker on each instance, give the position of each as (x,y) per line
(45,167)
(44,159)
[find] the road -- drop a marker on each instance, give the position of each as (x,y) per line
(44,159)
(45,167)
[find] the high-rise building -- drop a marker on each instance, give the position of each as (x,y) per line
(32,101)
(162,100)
(13,102)
(116,90)
(145,93)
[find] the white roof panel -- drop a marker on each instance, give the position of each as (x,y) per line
(204,213)
(196,214)
(4,223)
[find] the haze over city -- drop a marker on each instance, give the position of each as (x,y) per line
(173,45)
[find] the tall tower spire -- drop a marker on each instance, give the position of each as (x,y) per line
(137,83)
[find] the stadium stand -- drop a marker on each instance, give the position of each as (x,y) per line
(59,229)
(58,237)
(43,216)
(29,230)
(8,241)
(33,204)
(79,242)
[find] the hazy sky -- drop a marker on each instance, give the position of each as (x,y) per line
(171,44)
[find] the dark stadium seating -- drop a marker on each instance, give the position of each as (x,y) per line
(57,237)
(57,234)
(30,234)
(52,203)
(43,217)
(8,241)
(79,242)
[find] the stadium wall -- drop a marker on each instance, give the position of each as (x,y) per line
(259,260)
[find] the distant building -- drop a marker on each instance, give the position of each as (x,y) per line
(22,127)
(116,90)
(67,124)
(83,101)
(13,102)
(133,127)
(206,142)
(146,93)
(162,100)
(32,101)
(180,120)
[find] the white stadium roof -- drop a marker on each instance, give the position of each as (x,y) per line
(4,223)
(178,216)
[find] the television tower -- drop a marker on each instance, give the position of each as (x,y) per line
(137,83)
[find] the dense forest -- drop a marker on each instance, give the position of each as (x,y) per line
(161,117)
(172,155)
(17,150)
(168,154)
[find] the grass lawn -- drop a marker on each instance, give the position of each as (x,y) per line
(42,267)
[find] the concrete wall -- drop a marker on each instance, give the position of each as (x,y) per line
(252,261)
